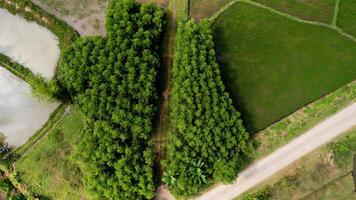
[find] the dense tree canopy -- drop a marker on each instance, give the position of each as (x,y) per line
(112,79)
(207,141)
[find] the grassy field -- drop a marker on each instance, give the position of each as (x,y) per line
(273,65)
(347,16)
(322,174)
(48,169)
(302,120)
(315,10)
(199,9)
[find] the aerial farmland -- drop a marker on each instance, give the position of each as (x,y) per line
(177,99)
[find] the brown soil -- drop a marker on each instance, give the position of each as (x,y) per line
(160,136)
(2,196)
(163,193)
(86,16)
(167,59)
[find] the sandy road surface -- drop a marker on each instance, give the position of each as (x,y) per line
(266,167)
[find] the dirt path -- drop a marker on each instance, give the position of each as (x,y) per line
(266,167)
(167,59)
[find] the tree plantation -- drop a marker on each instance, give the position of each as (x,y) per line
(112,80)
(207,141)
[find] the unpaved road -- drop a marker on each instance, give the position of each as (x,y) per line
(266,167)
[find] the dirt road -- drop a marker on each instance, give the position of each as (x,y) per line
(266,167)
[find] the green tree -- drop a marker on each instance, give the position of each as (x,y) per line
(207,141)
(113,80)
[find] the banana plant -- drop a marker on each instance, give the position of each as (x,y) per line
(196,173)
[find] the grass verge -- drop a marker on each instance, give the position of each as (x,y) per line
(48,168)
(322,174)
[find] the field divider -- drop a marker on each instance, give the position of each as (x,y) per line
(12,70)
(336,13)
(222,10)
(45,133)
(56,117)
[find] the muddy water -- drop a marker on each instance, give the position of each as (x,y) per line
(29,44)
(20,113)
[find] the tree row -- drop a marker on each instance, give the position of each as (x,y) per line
(207,141)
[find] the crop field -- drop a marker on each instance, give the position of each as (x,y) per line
(315,10)
(347,16)
(274,65)
(47,169)
(322,174)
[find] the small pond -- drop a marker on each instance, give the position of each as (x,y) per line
(20,113)
(29,44)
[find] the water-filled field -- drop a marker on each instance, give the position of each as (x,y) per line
(20,113)
(29,44)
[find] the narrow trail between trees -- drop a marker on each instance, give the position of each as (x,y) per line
(167,59)
(161,130)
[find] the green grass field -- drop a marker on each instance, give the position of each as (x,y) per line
(323,174)
(47,168)
(273,65)
(347,16)
(315,10)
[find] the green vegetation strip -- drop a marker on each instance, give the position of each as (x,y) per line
(40,87)
(53,120)
(336,13)
(273,65)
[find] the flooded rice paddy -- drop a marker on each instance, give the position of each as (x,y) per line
(29,44)
(20,113)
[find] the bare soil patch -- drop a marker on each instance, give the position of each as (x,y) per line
(86,16)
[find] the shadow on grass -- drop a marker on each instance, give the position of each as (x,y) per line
(234,92)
